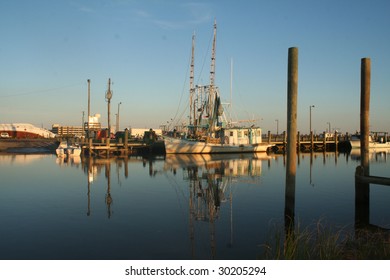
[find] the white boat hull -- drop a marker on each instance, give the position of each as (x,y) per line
(69,150)
(60,152)
(355,144)
(183,146)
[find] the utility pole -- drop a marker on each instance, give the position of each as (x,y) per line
(108,98)
(89,106)
(117,118)
(83,125)
(311,106)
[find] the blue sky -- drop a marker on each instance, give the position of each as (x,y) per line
(50,48)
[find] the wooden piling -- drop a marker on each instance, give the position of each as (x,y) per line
(324,141)
(292,94)
(365,83)
(311,141)
(299,142)
(108,146)
(292,104)
(90,146)
(126,141)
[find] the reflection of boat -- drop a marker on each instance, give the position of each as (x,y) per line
(373,142)
(232,165)
(375,154)
(65,149)
(28,146)
(208,130)
(20,159)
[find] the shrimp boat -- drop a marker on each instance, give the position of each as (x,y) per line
(209,131)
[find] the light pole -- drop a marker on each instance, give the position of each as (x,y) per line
(83,126)
(277,127)
(108,98)
(117,118)
(311,106)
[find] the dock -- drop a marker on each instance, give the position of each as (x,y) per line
(106,147)
(311,143)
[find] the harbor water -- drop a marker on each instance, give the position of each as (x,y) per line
(178,207)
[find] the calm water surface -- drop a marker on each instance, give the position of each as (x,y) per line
(178,207)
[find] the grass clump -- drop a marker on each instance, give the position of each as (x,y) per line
(322,242)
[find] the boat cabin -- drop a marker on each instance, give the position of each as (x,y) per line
(242,136)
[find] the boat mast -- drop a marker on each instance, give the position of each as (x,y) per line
(212,98)
(212,69)
(192,88)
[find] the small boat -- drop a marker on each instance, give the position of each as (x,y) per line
(209,131)
(377,141)
(64,149)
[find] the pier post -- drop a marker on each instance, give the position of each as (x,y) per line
(298,141)
(324,141)
(365,83)
(108,146)
(311,141)
(90,146)
(362,190)
(269,136)
(126,141)
(336,141)
(292,104)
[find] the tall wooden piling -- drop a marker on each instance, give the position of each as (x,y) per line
(292,104)
(365,83)
(362,189)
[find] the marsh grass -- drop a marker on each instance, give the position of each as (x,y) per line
(322,242)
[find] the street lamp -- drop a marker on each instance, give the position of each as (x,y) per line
(117,118)
(311,106)
(277,127)
(108,98)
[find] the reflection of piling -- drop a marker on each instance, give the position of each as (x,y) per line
(365,82)
(362,201)
(292,96)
